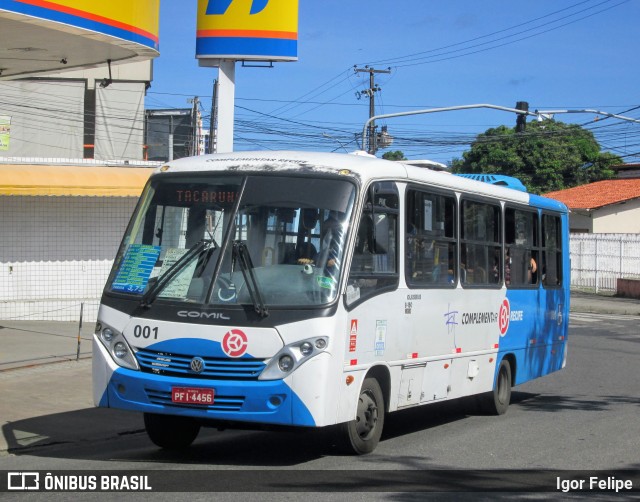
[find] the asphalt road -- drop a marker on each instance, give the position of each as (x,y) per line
(584,417)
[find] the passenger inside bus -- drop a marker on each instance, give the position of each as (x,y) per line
(520,267)
(533,271)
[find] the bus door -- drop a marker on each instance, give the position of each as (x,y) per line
(373,303)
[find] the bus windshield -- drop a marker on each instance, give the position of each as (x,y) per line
(262,241)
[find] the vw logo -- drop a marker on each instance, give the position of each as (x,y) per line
(197,365)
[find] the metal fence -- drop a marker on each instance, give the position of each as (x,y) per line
(598,260)
(56,254)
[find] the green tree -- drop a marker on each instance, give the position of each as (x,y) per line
(394,155)
(547,156)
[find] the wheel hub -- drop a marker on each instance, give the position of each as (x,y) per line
(367,417)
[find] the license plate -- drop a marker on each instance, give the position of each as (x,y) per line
(188,395)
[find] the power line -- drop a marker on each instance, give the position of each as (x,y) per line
(480,37)
(411,60)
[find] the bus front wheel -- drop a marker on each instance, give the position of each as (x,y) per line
(497,401)
(361,436)
(171,432)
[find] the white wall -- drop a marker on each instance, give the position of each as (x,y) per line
(56,252)
(120,121)
(618,218)
(47,118)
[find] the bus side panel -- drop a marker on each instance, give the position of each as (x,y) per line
(436,344)
(536,332)
(457,331)
(348,398)
(314,391)
(319,382)
(373,336)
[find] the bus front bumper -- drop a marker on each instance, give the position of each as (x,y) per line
(264,402)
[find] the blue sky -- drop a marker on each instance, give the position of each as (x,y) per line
(554,55)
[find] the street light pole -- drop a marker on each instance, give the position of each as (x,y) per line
(540,114)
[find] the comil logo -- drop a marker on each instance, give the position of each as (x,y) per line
(23,481)
(235,343)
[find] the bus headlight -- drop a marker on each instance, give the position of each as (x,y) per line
(107,335)
(285,363)
(117,346)
(120,350)
(292,357)
(306,349)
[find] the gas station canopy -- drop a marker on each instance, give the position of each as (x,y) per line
(40,37)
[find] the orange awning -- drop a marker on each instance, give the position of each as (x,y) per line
(79,181)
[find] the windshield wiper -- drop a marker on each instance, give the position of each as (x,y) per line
(242,256)
(196,250)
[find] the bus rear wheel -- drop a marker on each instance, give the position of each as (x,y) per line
(171,432)
(497,401)
(361,436)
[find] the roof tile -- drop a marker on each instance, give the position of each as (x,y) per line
(598,194)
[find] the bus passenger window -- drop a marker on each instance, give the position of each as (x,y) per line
(521,248)
(480,244)
(374,264)
(551,251)
(430,244)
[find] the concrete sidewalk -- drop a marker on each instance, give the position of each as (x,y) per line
(41,401)
(28,343)
(600,304)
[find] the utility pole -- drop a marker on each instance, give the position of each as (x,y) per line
(371,92)
(195,129)
(521,119)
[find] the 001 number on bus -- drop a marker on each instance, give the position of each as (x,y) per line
(145,332)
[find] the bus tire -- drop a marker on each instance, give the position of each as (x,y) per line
(361,436)
(171,432)
(497,401)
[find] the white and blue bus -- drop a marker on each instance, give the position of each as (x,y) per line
(270,289)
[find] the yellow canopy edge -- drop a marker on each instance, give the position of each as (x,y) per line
(78,181)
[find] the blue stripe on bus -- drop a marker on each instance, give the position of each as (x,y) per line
(191,347)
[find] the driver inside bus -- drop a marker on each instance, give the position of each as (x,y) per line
(329,244)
